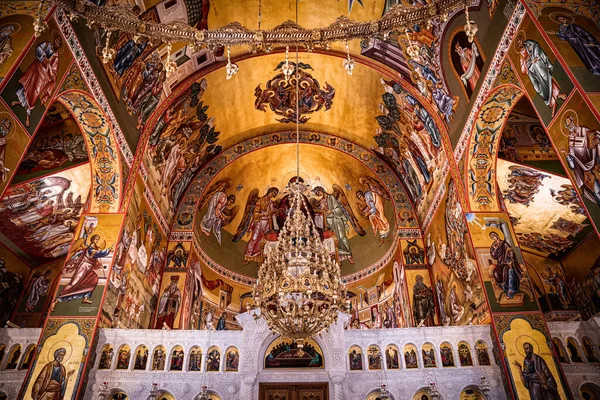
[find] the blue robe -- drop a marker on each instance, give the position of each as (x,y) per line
(585,45)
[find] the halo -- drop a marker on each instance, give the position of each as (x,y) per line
(497,231)
(286,178)
(53,35)
(13,127)
(15,24)
(521,34)
(61,344)
(573,114)
(102,241)
(553,16)
(526,338)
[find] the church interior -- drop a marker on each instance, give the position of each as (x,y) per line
(300,199)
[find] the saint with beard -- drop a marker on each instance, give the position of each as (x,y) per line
(536,376)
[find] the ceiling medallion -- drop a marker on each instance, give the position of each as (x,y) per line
(299,291)
(280,93)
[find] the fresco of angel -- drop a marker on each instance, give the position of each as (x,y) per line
(371,206)
(256,222)
(220,211)
(338,214)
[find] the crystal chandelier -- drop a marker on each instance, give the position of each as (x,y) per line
(299,291)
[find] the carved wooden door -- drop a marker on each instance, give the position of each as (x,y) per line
(293,391)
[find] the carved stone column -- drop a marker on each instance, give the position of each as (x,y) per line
(338,378)
(247,389)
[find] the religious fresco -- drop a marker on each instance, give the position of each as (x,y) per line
(88,264)
(232,360)
(15,33)
(13,273)
(532,368)
(471,394)
(40,216)
(421,296)
(374,357)
(413,252)
(502,266)
(574,350)
(482,353)
(464,355)
(542,75)
(279,94)
(170,298)
(183,139)
(195,359)
(65,342)
(577,39)
(140,255)
(13,141)
(559,350)
(467,61)
(428,352)
(213,359)
(541,217)
(159,356)
(14,355)
(355,358)
(550,284)
(37,293)
(423,394)
(33,84)
(123,357)
(411,359)
(447,355)
(457,283)
(284,353)
(582,267)
(392,357)
(574,134)
(58,144)
(240,215)
(410,141)
(106,357)
(140,358)
(176,360)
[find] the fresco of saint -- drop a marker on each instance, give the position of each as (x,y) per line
(5,128)
(507,272)
(424,308)
(6,48)
(169,304)
(51,382)
(39,79)
(584,144)
(536,376)
(583,43)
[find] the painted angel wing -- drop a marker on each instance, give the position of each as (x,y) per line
(375,186)
(341,197)
(223,185)
(247,218)
(230,213)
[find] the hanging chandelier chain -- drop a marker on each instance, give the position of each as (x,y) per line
(288,33)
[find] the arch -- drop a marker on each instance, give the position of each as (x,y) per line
(164,395)
(411,357)
(176,358)
(212,395)
(355,358)
(232,359)
(471,392)
(375,358)
(428,352)
(213,359)
(375,393)
(3,396)
(123,357)
(141,357)
(574,350)
(117,394)
(481,350)
(392,357)
(589,391)
(102,148)
(559,349)
(423,393)
(28,356)
(106,357)
(159,357)
(483,144)
(590,350)
(2,352)
(14,355)
(447,354)
(284,353)
(195,359)
(464,354)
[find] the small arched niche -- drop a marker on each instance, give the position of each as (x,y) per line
(106,357)
(411,358)
(13,357)
(213,359)
(428,351)
(355,358)
(177,356)
(483,355)
(141,358)
(232,359)
(471,393)
(123,356)
(392,357)
(27,357)
(447,355)
(559,348)
(574,350)
(195,359)
(464,354)
(590,350)
(374,357)
(159,358)
(118,394)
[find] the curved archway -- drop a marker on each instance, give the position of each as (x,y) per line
(589,391)
(483,143)
(117,394)
(376,393)
(13,357)
(102,148)
(471,392)
(283,353)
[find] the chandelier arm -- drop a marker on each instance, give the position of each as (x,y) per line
(343,29)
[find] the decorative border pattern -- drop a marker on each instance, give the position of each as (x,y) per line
(89,76)
(488,83)
(154,207)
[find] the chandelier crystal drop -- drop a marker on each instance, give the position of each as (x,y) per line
(230,68)
(299,290)
(349,62)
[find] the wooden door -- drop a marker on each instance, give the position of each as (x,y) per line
(293,391)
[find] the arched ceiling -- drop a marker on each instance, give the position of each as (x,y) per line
(272,167)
